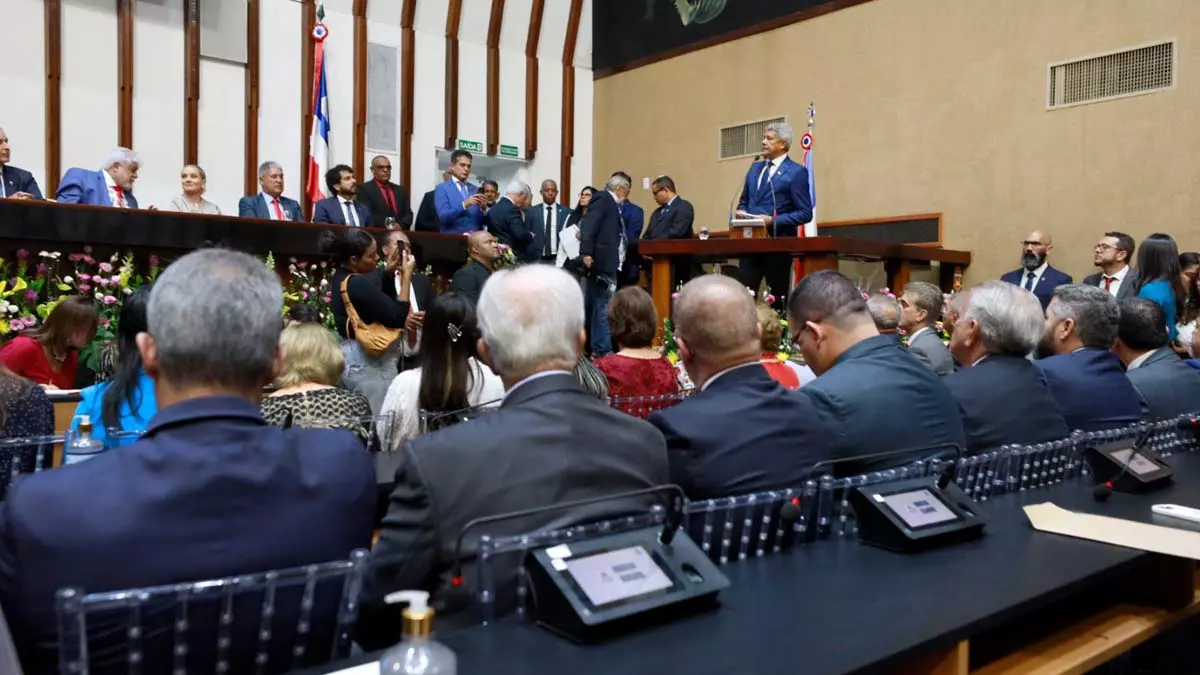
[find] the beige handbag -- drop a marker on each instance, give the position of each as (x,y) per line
(374,338)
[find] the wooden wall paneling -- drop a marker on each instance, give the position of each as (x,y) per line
(453,16)
(125,73)
(408,53)
(252,61)
(360,88)
(53,54)
(493,77)
(532,38)
(309,22)
(568,99)
(191,81)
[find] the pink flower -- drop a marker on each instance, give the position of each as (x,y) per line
(116,279)
(328,298)
(22,254)
(85,277)
(89,260)
(303,264)
(154,261)
(84,288)
(323,264)
(31,296)
(104,322)
(304,295)
(770,299)
(110,300)
(106,267)
(675,295)
(42,270)
(75,257)
(100,281)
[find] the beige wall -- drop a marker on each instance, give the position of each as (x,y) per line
(935,106)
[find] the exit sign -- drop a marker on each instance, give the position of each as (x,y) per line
(509,151)
(470,146)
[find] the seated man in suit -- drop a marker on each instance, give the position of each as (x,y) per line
(506,219)
(1167,385)
(383,198)
(211,489)
(15,183)
(270,204)
(1036,275)
(865,381)
(885,312)
(920,310)
(999,391)
(1084,376)
(483,251)
(778,436)
(547,220)
(459,204)
(110,186)
(342,208)
(550,442)
(1112,255)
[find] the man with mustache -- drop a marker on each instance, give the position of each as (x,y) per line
(1036,275)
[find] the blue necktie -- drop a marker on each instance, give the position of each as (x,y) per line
(1029,281)
(349,215)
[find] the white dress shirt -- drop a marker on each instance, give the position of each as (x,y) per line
(403,396)
(270,201)
(771,169)
(406,349)
(1037,276)
(117,200)
(1137,363)
(3,190)
(551,221)
(1117,280)
(342,203)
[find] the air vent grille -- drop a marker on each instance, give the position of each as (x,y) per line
(745,140)
(1101,78)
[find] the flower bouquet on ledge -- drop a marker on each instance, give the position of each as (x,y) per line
(309,284)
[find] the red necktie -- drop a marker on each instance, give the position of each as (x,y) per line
(278,211)
(388,197)
(1108,282)
(120,195)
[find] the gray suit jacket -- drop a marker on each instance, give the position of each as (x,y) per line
(1125,290)
(550,442)
(1169,386)
(928,348)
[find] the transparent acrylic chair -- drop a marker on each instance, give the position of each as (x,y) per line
(23,456)
(115,437)
(268,622)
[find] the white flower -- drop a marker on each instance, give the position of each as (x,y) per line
(99,295)
(55,255)
(44,254)
(324,283)
(68,280)
(13,309)
(128,291)
(305,287)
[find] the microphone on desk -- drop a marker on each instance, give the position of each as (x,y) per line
(733,202)
(1188,424)
(1104,490)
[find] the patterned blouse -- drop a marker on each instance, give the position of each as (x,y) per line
(330,408)
(27,409)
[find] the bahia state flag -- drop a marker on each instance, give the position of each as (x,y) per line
(318,140)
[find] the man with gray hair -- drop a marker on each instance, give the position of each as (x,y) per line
(920,310)
(270,204)
(1002,397)
(506,220)
(1085,377)
(550,442)
(776,192)
(885,312)
(602,245)
(778,436)
(209,474)
(112,185)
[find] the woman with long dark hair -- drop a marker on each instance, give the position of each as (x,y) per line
(1189,304)
(1160,276)
(373,296)
(49,354)
(449,377)
(568,240)
(126,402)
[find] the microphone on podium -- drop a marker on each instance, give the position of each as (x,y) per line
(733,202)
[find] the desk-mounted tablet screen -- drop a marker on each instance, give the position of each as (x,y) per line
(918,508)
(1138,463)
(622,574)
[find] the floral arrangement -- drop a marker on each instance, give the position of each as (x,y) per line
(308,283)
(508,259)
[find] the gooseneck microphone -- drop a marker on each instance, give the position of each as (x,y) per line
(1188,424)
(742,186)
(1104,490)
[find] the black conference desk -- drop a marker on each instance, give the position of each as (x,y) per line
(842,607)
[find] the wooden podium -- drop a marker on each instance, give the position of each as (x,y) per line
(747,228)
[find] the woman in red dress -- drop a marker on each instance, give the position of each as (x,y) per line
(637,369)
(49,354)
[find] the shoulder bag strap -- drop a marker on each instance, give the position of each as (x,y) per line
(352,318)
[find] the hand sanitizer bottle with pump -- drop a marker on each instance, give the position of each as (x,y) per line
(417,653)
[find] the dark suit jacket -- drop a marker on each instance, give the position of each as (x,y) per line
(1004,400)
(550,442)
(427,216)
(777,439)
(507,223)
(634,220)
(211,490)
(1168,385)
(600,234)
(878,398)
(19,180)
(468,281)
(673,221)
(329,210)
(536,217)
(791,203)
(1044,289)
(1091,389)
(81,186)
(1126,289)
(370,194)
(253,206)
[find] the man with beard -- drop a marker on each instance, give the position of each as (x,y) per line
(1036,275)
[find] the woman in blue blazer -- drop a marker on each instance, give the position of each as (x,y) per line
(126,402)
(1159,276)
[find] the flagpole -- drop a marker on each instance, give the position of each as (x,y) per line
(318,139)
(808,229)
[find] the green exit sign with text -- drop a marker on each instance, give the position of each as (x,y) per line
(470,146)
(509,151)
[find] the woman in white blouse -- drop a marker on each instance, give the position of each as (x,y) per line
(194,180)
(449,378)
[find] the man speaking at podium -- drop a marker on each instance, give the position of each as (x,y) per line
(776,191)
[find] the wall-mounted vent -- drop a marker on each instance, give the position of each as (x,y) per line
(1130,72)
(745,140)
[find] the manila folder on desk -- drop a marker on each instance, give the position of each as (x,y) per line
(1047,517)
